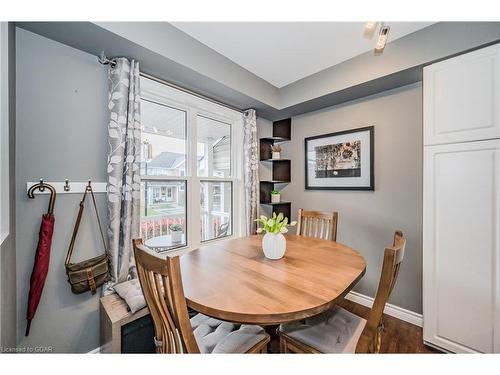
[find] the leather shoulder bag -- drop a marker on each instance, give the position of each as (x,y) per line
(90,274)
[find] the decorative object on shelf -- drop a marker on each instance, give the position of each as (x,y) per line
(275,196)
(176,234)
(276,151)
(340,161)
(273,242)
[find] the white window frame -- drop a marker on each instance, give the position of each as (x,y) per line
(194,106)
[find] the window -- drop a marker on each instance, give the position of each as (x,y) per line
(191,176)
(163,162)
(214,148)
(215,202)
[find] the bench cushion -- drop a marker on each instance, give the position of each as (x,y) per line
(131,292)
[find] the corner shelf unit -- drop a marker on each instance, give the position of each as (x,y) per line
(280,167)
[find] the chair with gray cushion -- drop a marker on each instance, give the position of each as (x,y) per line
(161,285)
(340,331)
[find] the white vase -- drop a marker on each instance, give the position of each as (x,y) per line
(176,236)
(276,155)
(275,198)
(274,245)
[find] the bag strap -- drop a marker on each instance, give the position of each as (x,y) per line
(79,219)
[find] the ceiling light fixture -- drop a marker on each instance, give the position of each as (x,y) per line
(382,39)
(370,28)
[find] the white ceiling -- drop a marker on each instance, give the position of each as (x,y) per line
(284,52)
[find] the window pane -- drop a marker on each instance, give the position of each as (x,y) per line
(163,214)
(163,140)
(214,148)
(216,218)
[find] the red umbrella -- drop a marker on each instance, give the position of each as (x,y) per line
(42,256)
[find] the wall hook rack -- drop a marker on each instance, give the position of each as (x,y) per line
(67,187)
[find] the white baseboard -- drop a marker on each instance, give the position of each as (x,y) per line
(95,351)
(392,310)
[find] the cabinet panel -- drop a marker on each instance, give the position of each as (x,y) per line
(461,209)
(461,98)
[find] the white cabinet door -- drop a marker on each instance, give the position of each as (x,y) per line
(461,98)
(461,246)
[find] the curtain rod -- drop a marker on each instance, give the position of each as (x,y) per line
(106,61)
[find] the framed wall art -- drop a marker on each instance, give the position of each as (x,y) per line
(340,161)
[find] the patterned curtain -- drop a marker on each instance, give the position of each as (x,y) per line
(124,181)
(251,170)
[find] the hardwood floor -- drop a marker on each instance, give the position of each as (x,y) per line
(398,337)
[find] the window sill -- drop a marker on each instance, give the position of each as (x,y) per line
(186,249)
(208,242)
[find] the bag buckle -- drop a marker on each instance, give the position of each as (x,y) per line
(90,278)
(158,343)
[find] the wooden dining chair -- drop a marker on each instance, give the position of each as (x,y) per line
(175,332)
(340,331)
(317,224)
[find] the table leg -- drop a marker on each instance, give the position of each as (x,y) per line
(274,345)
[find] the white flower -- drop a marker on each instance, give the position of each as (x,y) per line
(284,230)
(259,230)
(293,223)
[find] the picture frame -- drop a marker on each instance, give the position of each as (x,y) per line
(342,160)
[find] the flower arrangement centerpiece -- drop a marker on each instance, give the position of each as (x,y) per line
(276,151)
(176,232)
(273,242)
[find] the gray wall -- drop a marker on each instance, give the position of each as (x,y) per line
(367,220)
(61,133)
(8,249)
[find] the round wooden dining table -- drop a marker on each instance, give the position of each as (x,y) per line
(232,280)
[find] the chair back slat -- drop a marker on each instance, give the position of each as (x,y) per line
(161,285)
(317,224)
(370,339)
